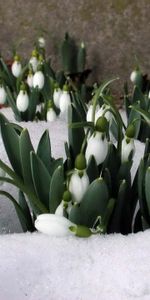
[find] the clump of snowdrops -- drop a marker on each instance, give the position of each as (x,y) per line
(35,91)
(91,191)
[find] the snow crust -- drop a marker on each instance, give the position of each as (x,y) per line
(38,267)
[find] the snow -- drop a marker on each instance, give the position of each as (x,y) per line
(37,267)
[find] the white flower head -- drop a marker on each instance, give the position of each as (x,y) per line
(51,115)
(78,185)
(128,149)
(64,100)
(22,101)
(54,225)
(41,42)
(16,67)
(34,63)
(97,146)
(3,95)
(38,80)
(56,96)
(30,80)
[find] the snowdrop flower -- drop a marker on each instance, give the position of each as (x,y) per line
(22,100)
(16,67)
(79,180)
(90,112)
(56,95)
(2,174)
(34,60)
(38,80)
(101,111)
(30,79)
(41,42)
(3,95)
(51,115)
(136,77)
(54,225)
(65,204)
(97,144)
(128,145)
(64,100)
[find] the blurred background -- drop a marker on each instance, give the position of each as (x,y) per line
(114,31)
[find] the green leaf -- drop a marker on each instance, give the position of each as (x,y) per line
(41,179)
(12,103)
(21,215)
(75,136)
(33,101)
(93,204)
(81,58)
(25,149)
(11,143)
(26,211)
(56,189)
(144,114)
(92,169)
(44,150)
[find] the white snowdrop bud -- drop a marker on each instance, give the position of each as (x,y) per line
(128,149)
(3,95)
(38,79)
(97,146)
(136,77)
(51,115)
(65,100)
(41,42)
(53,225)
(16,67)
(22,100)
(30,80)
(34,60)
(56,96)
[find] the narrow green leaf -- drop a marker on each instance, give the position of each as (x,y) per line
(44,150)
(56,189)
(24,205)
(147,188)
(41,179)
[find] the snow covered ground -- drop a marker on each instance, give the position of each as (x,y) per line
(37,267)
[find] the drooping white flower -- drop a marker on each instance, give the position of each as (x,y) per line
(38,79)
(64,100)
(51,115)
(30,80)
(22,101)
(78,185)
(102,111)
(41,42)
(3,95)
(56,96)
(16,67)
(53,225)
(136,77)
(97,146)
(128,148)
(34,60)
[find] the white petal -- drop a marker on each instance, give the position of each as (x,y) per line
(53,225)
(51,115)
(16,68)
(3,95)
(126,150)
(30,80)
(65,102)
(38,80)
(41,42)
(34,63)
(60,209)
(78,186)
(56,97)
(22,101)
(97,147)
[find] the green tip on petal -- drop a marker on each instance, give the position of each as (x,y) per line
(81,231)
(101,124)
(130,131)
(67,196)
(50,104)
(80,162)
(23,87)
